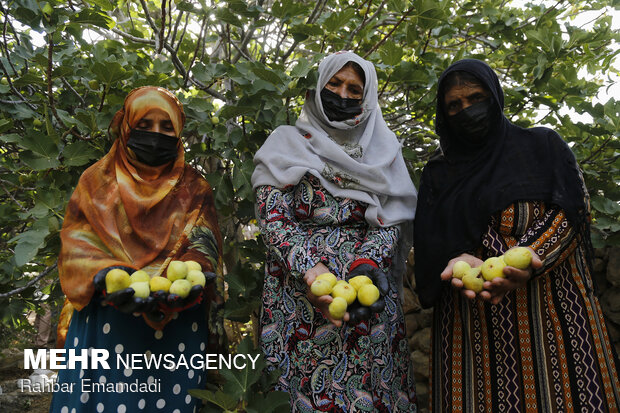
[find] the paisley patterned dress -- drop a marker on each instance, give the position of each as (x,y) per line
(354,368)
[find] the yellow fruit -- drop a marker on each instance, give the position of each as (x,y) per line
(193,265)
(338,307)
(180,287)
(519,257)
(196,277)
(473,283)
(215,120)
(47,9)
(320,287)
(177,270)
(358,281)
(340,282)
(141,289)
(37,122)
(345,291)
(460,268)
(93,84)
(492,268)
(140,276)
(328,276)
(368,294)
(160,284)
(116,280)
(474,272)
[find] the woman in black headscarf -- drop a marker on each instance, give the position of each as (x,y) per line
(534,340)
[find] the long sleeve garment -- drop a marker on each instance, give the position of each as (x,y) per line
(544,347)
(361,367)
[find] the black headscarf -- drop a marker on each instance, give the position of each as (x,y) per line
(463,186)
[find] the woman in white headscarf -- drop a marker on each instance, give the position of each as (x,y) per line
(334,195)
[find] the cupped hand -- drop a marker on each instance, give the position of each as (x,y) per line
(322,302)
(446,274)
(495,290)
(381,280)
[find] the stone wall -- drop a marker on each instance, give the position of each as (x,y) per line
(418,320)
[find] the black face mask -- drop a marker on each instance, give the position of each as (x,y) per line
(152,148)
(338,108)
(472,124)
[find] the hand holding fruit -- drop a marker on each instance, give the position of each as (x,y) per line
(346,301)
(320,300)
(448,274)
(372,285)
(494,277)
(187,283)
(182,287)
(517,272)
(114,282)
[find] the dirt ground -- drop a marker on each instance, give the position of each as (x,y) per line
(12,400)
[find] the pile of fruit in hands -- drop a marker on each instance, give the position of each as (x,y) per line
(345,293)
(181,276)
(493,267)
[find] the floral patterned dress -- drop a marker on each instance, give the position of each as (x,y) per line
(361,367)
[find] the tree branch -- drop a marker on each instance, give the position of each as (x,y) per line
(318,9)
(148,16)
(175,61)
(30,283)
(13,198)
(387,36)
(365,22)
(68,86)
(176,27)
(14,89)
(50,93)
(4,45)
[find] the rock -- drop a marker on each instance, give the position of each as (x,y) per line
(410,273)
(411,258)
(424,318)
(11,358)
(610,303)
(601,253)
(613,332)
(600,281)
(613,267)
(411,303)
(412,281)
(411,324)
(599,265)
(421,362)
(422,392)
(422,340)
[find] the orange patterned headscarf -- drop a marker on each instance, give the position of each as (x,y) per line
(124,212)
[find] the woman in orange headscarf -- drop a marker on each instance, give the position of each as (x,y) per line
(139,207)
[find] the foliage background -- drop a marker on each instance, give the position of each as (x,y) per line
(241,68)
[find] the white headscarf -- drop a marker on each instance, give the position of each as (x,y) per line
(359,158)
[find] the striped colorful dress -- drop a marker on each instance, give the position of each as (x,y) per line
(362,367)
(543,348)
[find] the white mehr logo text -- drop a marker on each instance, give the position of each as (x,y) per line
(66,359)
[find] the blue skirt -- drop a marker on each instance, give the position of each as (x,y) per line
(162,389)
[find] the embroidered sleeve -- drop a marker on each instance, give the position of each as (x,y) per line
(378,245)
(551,237)
(533,224)
(289,242)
